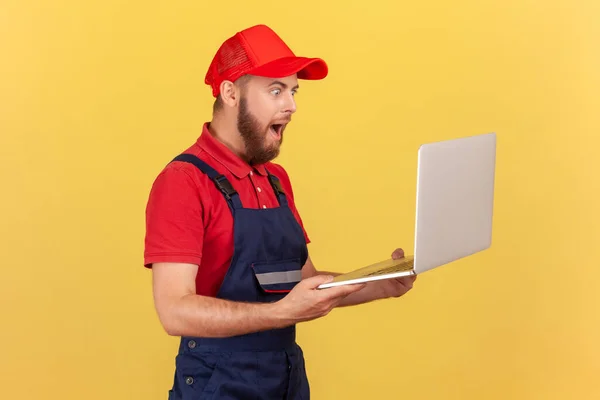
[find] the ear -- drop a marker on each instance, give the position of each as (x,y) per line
(230,94)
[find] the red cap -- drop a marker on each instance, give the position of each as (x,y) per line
(259,51)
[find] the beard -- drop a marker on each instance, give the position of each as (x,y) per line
(255,136)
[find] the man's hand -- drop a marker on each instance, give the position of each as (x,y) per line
(383,289)
(368,292)
(396,287)
(306,302)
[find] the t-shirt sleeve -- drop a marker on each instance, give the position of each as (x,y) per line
(174,219)
(280,172)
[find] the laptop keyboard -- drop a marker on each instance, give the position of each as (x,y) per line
(407,265)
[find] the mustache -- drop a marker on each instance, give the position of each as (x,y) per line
(283,121)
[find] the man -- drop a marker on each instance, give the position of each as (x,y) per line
(231,271)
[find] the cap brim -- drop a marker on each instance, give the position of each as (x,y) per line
(305,68)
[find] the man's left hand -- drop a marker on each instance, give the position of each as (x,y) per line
(397,287)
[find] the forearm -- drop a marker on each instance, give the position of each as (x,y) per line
(201,316)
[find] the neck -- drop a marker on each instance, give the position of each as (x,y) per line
(225,131)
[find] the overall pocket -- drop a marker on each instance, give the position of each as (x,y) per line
(198,374)
(278,276)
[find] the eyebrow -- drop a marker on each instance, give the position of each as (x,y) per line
(283,84)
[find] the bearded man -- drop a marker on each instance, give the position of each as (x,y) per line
(232,276)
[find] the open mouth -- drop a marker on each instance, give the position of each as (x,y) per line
(276,130)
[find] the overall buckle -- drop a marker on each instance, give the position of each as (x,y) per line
(224,186)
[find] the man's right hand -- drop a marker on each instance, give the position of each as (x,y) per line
(306,302)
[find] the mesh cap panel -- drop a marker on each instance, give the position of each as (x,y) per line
(230,62)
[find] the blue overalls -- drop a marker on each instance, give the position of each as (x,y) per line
(269,252)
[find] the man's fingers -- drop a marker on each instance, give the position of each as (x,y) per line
(398,253)
(406,281)
(342,291)
(314,281)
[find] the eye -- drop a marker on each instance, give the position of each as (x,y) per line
(276,91)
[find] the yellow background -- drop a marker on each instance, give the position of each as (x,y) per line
(95,97)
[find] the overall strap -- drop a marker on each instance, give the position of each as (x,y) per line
(276,184)
(230,194)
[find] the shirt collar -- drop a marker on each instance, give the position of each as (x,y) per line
(225,156)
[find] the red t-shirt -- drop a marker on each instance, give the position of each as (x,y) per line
(188,219)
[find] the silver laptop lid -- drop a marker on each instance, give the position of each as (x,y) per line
(455,192)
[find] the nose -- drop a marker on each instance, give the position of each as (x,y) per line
(290,104)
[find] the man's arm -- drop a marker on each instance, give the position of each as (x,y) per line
(372,291)
(184,313)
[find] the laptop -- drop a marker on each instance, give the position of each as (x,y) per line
(454,206)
